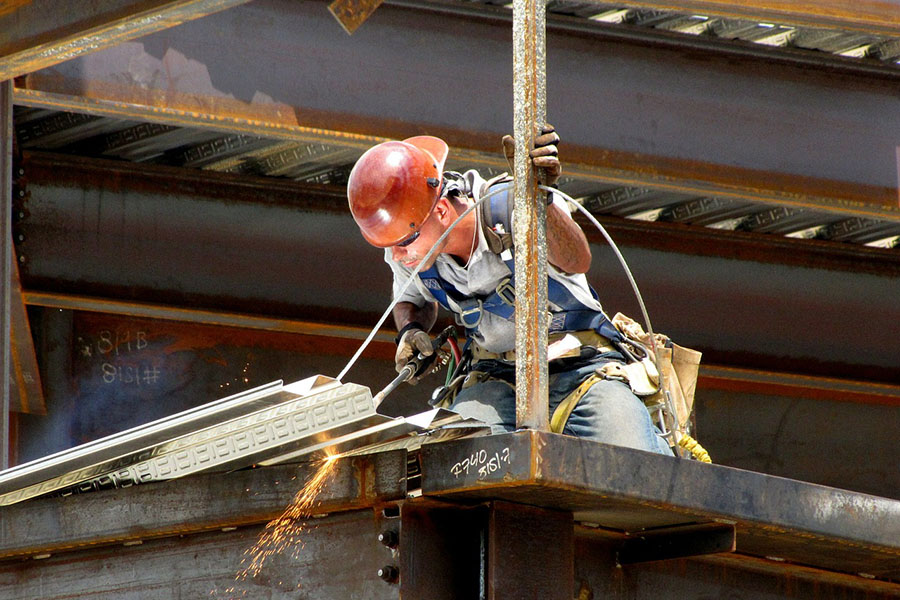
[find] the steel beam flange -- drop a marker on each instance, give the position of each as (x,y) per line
(677,542)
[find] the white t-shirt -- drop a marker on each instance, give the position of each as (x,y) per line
(480,278)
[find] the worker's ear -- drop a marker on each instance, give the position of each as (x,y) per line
(444,211)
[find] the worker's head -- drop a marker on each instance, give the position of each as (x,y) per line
(394,187)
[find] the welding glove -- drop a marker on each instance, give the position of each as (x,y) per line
(544,156)
(411,343)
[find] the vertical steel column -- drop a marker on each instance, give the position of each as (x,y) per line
(530,236)
(6,258)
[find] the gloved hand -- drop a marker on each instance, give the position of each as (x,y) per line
(544,156)
(412,342)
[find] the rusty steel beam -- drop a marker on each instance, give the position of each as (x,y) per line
(36,34)
(821,151)
(194,504)
(194,315)
(708,576)
(6,262)
(591,164)
(530,234)
(744,246)
(754,381)
(25,378)
(717,377)
(69,238)
(336,556)
(546,571)
(353,13)
(880,17)
(228,116)
(631,491)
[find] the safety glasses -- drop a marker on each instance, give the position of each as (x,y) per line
(409,240)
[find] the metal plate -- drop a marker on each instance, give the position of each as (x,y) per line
(268,425)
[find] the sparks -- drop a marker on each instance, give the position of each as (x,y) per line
(284,531)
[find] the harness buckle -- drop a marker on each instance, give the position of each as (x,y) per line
(506,292)
(467,309)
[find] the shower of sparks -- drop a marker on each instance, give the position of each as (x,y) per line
(284,531)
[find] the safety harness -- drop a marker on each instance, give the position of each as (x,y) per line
(494,217)
(571,315)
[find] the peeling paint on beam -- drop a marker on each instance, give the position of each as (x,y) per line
(27,45)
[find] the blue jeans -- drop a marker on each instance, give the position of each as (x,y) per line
(609,412)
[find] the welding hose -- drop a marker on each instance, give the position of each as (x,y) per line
(409,281)
(637,292)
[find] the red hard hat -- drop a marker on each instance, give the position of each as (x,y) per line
(394,186)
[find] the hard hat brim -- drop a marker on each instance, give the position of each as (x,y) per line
(436,147)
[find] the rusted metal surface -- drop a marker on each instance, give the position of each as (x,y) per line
(736,576)
(731,379)
(544,570)
(36,34)
(530,233)
(352,13)
(829,442)
(70,236)
(205,317)
(873,16)
(743,246)
(25,378)
(630,490)
(124,372)
(193,504)
(667,543)
(339,557)
(620,144)
(6,258)
(441,550)
(208,253)
(689,178)
(842,49)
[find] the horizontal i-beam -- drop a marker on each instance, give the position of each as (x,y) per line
(731,379)
(630,112)
(164,256)
(41,33)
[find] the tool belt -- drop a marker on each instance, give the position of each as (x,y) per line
(680,368)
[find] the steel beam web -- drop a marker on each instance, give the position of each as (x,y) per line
(530,236)
(6,257)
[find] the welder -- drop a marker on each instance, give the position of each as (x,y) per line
(403,201)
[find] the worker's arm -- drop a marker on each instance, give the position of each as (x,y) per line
(567,246)
(407,312)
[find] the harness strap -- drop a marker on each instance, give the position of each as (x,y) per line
(494,220)
(565,408)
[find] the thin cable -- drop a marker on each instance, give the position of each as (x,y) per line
(409,281)
(637,292)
